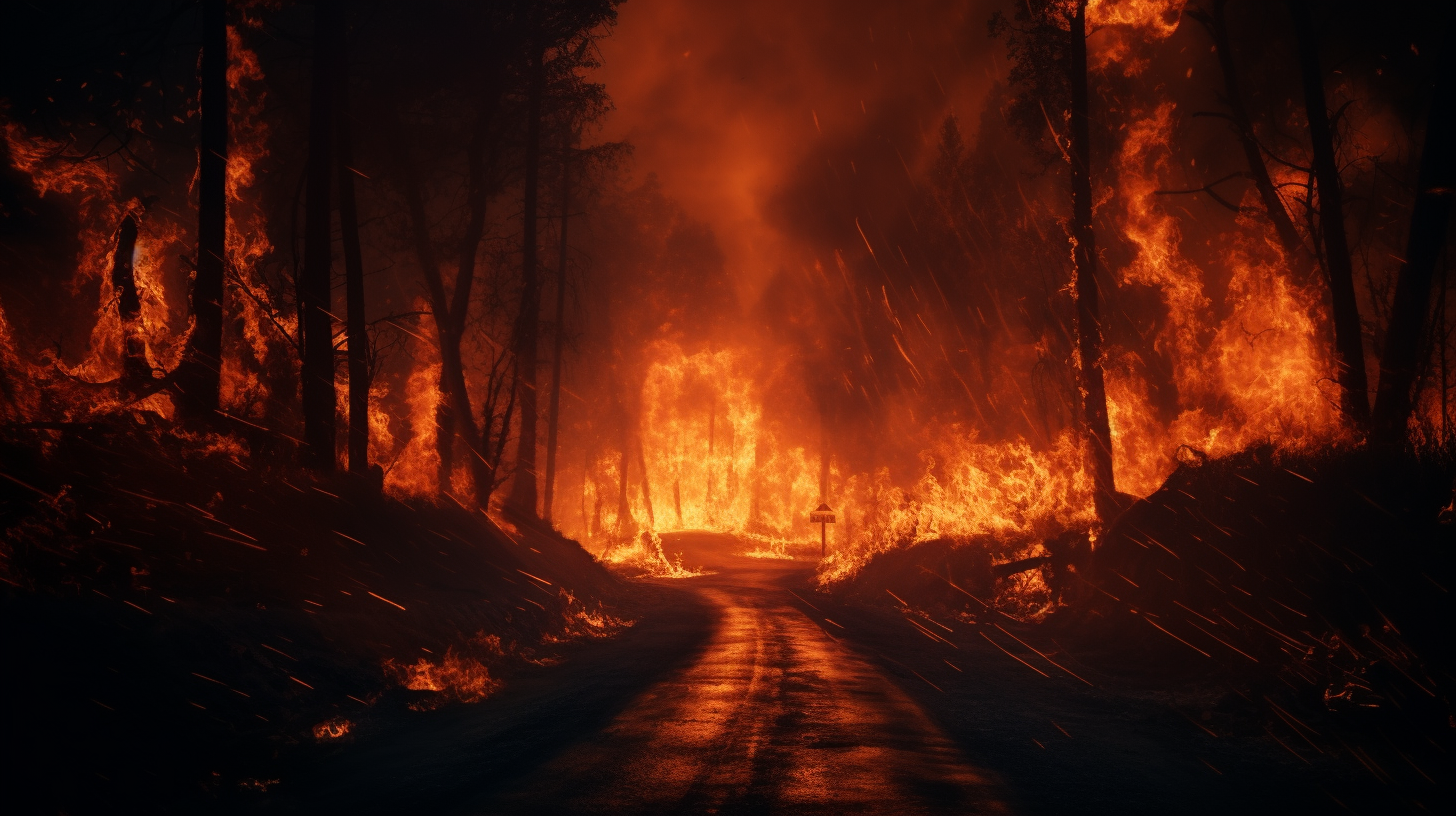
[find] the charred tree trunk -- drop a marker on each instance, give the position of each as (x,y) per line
(712,432)
(646,483)
(558,338)
(1349,346)
(453,415)
(353,277)
(135,370)
(624,510)
(314,285)
(1084,263)
(482,473)
(1401,357)
(500,445)
(1215,20)
(198,378)
(823,457)
(523,493)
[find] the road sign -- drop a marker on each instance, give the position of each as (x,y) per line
(822,515)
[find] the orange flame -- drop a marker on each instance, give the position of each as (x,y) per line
(454,678)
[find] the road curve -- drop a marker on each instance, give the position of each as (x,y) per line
(773,715)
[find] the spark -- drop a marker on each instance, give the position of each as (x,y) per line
(1175,637)
(1014,657)
(388,601)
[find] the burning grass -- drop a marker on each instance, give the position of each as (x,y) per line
(643,557)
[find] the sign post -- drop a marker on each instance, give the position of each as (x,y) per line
(823,516)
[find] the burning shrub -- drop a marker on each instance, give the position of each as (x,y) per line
(335,728)
(454,679)
(644,556)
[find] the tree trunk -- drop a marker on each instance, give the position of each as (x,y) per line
(624,510)
(559,335)
(135,370)
(523,493)
(1401,357)
(500,445)
(482,473)
(1349,346)
(454,415)
(1084,263)
(353,277)
(646,482)
(712,512)
(1294,249)
(198,378)
(314,285)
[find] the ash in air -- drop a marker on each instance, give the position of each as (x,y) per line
(498,392)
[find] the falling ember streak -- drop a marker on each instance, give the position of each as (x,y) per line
(300,682)
(1014,657)
(1043,656)
(388,601)
(279,651)
(8,477)
(235,540)
(932,635)
(927,682)
(865,239)
(533,577)
(1221,640)
(1175,637)
(806,603)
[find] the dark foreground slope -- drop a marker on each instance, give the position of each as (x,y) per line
(1302,603)
(180,621)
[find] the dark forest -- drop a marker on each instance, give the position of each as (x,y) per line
(589,406)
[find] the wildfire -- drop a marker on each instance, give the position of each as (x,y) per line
(254,337)
(453,679)
(335,728)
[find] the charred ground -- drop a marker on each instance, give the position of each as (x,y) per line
(182,618)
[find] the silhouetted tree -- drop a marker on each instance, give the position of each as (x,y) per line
(1430,218)
(198,378)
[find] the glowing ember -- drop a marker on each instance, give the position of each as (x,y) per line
(332,729)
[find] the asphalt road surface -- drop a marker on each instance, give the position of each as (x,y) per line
(743,693)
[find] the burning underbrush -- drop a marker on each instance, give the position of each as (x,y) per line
(644,557)
(176,590)
(1311,590)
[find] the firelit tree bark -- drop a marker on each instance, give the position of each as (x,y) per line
(558,338)
(1084,263)
(1216,22)
(135,370)
(198,378)
(523,491)
(314,285)
(353,272)
(1349,345)
(454,415)
(1405,340)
